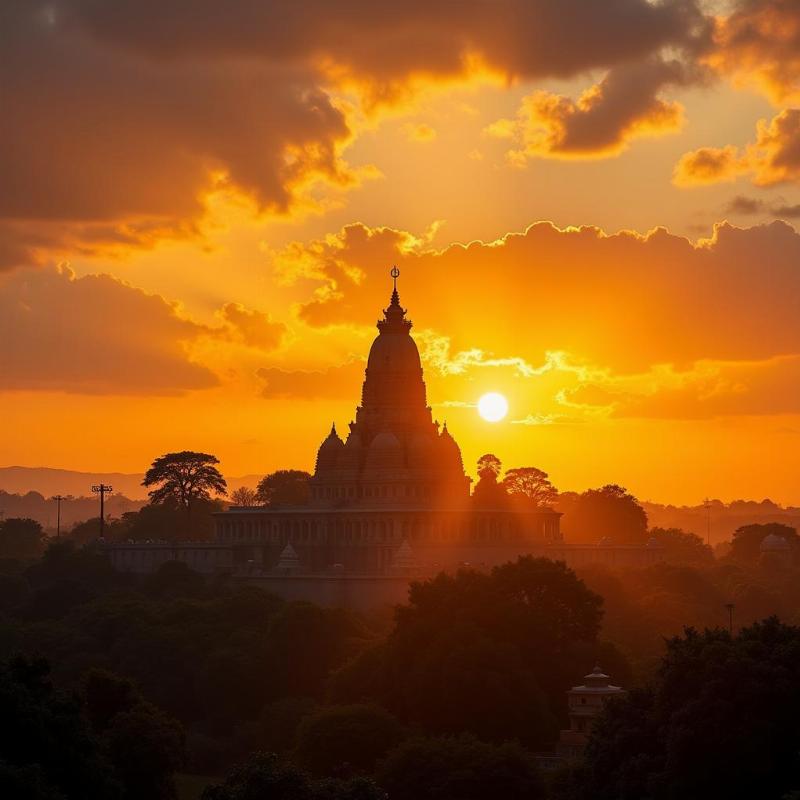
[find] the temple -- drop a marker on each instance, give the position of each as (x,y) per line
(388,503)
(394,493)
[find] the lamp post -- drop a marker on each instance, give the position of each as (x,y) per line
(102,489)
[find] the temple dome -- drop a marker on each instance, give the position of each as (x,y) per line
(385,452)
(329,450)
(394,352)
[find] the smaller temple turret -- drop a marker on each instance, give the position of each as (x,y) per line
(585,704)
(329,451)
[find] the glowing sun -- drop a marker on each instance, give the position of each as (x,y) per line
(493,407)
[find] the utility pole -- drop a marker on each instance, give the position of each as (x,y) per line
(730,607)
(102,489)
(58,499)
(707,507)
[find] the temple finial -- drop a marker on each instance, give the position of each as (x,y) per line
(395,273)
(333,429)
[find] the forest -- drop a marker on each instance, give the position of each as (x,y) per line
(175,685)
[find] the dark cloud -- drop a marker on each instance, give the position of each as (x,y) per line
(93,335)
(751,206)
(390,41)
(127,114)
(759,43)
(625,105)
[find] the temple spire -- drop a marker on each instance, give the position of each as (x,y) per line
(394,317)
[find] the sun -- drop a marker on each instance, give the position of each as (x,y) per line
(493,406)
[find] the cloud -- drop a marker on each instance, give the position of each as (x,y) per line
(751,206)
(774,157)
(758,44)
(709,389)
(93,335)
(421,132)
(339,381)
(624,106)
(253,328)
(577,321)
(124,118)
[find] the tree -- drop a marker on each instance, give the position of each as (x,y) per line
(244,496)
(489,466)
(532,483)
(460,768)
(45,738)
(337,739)
(719,720)
(266,776)
(20,538)
(681,547)
(746,543)
(184,478)
(285,487)
(610,513)
(487,491)
(145,746)
(491,654)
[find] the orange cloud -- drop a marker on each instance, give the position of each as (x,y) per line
(614,324)
(624,106)
(772,159)
(253,328)
(759,44)
(339,381)
(93,335)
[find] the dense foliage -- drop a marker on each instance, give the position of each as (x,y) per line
(718,720)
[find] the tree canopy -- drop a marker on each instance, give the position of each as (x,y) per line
(610,513)
(20,538)
(531,483)
(491,654)
(461,768)
(184,478)
(746,543)
(719,720)
(285,487)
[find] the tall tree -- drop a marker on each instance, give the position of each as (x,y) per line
(489,465)
(719,719)
(610,513)
(488,492)
(184,478)
(746,544)
(285,487)
(532,483)
(20,538)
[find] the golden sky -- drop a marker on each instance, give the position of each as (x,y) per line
(592,206)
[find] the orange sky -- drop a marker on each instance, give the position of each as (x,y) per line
(591,204)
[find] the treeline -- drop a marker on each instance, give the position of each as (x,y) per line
(449,696)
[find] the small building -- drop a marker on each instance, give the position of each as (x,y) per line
(585,704)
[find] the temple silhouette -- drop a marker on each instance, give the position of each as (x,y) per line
(388,503)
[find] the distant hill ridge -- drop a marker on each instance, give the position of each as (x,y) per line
(49,481)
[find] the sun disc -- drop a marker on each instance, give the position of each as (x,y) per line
(493,406)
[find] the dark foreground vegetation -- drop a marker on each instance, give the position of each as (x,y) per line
(111,685)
